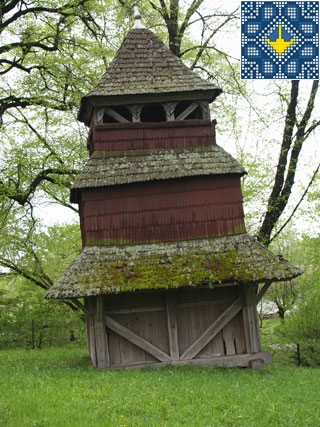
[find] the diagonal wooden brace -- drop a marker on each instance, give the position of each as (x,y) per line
(136,339)
(213,330)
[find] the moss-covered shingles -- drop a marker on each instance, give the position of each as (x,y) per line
(103,270)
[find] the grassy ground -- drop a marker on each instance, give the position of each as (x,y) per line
(58,387)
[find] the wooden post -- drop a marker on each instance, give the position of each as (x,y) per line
(172,326)
(251,323)
(101,339)
(89,303)
(262,292)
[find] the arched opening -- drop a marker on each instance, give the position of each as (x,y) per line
(153,113)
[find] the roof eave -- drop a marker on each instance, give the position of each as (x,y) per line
(89,102)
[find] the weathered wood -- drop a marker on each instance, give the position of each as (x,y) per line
(229,339)
(239,338)
(204,322)
(136,339)
(90,331)
(115,115)
(136,310)
(102,350)
(129,352)
(148,331)
(240,361)
(251,319)
(217,341)
(172,326)
(202,304)
(246,329)
(237,360)
(187,111)
(166,327)
(161,331)
(256,364)
(114,348)
(182,324)
(211,332)
(262,292)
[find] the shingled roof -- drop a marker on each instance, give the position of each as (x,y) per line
(106,168)
(142,67)
(111,269)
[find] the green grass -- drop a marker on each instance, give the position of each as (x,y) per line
(58,387)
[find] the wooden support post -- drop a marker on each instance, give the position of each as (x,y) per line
(262,292)
(102,348)
(172,326)
(89,303)
(251,323)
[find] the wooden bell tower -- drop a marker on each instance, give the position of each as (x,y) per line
(167,272)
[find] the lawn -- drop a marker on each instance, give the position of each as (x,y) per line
(58,387)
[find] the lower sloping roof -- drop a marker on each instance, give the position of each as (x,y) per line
(112,269)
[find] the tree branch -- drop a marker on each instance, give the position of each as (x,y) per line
(277,199)
(315,173)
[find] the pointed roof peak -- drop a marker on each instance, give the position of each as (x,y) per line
(145,70)
(137,18)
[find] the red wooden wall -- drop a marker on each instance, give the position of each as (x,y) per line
(170,210)
(138,136)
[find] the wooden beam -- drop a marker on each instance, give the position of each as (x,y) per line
(262,292)
(137,310)
(237,360)
(102,348)
(187,111)
(118,117)
(251,317)
(213,330)
(136,340)
(172,326)
(90,331)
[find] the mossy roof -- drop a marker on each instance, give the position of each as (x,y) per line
(144,66)
(113,269)
(106,168)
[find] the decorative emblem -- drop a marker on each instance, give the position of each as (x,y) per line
(280,40)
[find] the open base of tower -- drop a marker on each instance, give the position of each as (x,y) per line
(205,327)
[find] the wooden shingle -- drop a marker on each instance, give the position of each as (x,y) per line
(144,66)
(112,269)
(106,168)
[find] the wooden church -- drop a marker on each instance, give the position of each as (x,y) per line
(167,273)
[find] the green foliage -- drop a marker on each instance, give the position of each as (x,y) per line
(58,388)
(39,256)
(40,261)
(303,325)
(27,320)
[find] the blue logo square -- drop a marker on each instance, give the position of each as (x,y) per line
(280,40)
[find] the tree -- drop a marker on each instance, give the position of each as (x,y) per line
(40,89)
(39,256)
(296,130)
(302,326)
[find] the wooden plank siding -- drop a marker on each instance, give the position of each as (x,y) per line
(155,211)
(174,327)
(128,136)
